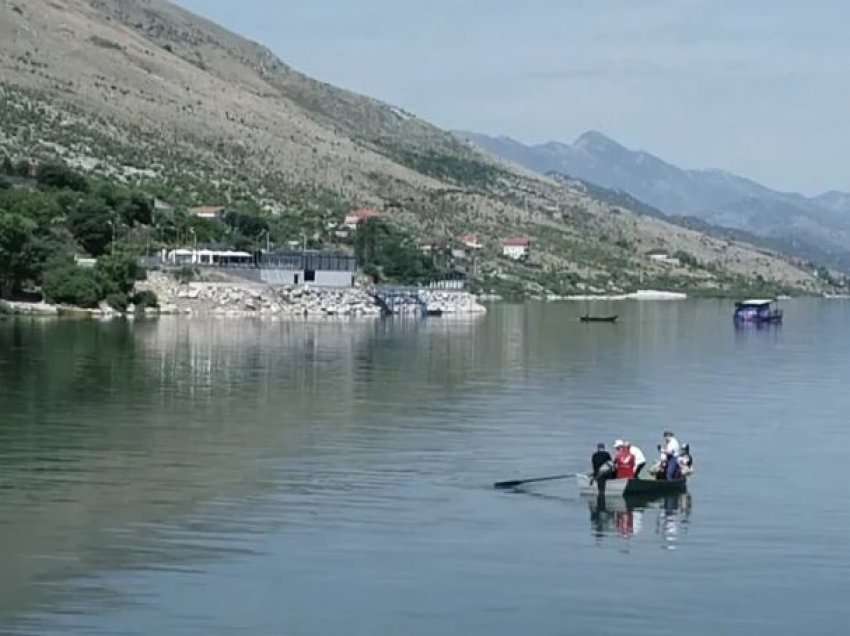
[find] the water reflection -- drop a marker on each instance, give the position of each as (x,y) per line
(223,476)
(627,517)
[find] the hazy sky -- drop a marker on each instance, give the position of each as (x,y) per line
(758,87)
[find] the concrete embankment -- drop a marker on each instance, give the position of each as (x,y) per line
(14,308)
(255,299)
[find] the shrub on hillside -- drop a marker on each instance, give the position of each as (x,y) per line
(686,259)
(22,168)
(92,223)
(16,251)
(118,273)
(60,176)
(71,285)
(7,167)
(118,301)
(144,299)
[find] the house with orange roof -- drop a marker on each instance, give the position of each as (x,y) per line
(353,220)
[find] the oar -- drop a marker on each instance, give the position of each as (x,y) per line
(520,482)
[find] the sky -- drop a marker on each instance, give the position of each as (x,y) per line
(757,87)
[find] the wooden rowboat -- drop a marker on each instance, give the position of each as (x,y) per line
(631,487)
(589,318)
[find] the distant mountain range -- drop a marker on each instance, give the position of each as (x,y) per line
(815,228)
(148,93)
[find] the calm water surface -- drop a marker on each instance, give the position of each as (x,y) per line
(238,477)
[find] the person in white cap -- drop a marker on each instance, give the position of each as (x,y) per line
(640,458)
(671,450)
(624,461)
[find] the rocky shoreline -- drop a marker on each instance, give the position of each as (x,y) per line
(253,299)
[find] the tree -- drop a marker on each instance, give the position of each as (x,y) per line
(22,168)
(60,176)
(825,275)
(64,282)
(16,263)
(41,207)
(117,273)
(686,259)
(131,207)
(386,252)
(136,209)
(7,167)
(92,224)
(246,229)
(207,231)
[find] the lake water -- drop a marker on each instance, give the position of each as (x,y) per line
(239,477)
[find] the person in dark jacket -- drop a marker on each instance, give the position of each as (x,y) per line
(686,460)
(602,463)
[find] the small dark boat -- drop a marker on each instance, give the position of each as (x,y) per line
(758,312)
(640,487)
(434,313)
(590,318)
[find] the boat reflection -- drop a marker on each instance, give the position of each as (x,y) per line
(627,517)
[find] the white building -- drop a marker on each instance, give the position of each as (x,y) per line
(208,212)
(516,248)
(663,258)
(207,257)
(319,269)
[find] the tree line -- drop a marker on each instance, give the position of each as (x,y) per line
(51,215)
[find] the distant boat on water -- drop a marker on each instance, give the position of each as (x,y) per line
(589,318)
(758,312)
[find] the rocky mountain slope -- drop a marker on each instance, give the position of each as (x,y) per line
(816,228)
(144,91)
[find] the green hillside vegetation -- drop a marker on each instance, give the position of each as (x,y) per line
(149,98)
(50,218)
(387,254)
(50,215)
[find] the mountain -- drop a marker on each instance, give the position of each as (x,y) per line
(148,93)
(835,201)
(813,228)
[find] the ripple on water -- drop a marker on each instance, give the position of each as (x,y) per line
(216,477)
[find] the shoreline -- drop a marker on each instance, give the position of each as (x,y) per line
(257,300)
(252,300)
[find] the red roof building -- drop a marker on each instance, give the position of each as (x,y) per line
(516,248)
(360,216)
(470,241)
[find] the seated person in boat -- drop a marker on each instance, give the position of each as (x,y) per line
(659,468)
(670,444)
(671,449)
(602,463)
(624,461)
(674,461)
(640,458)
(686,460)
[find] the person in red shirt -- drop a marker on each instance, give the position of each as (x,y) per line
(624,461)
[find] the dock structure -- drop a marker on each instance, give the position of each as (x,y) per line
(393,300)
